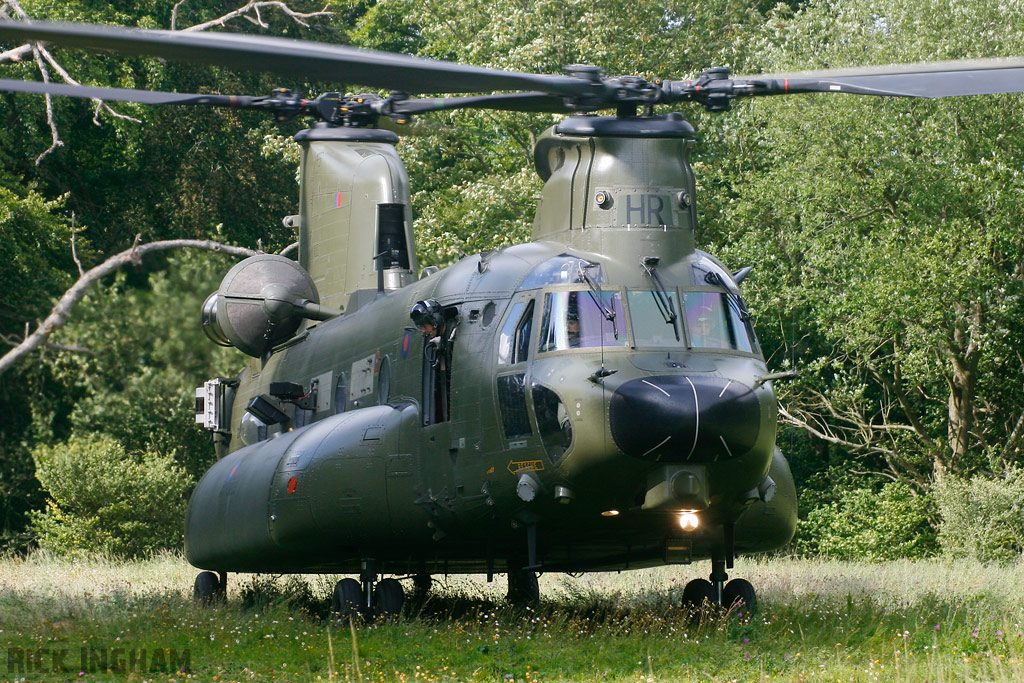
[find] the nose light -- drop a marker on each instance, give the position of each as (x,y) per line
(688,520)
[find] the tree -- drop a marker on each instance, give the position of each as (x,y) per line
(160,174)
(887,237)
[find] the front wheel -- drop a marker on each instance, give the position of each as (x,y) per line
(699,594)
(739,593)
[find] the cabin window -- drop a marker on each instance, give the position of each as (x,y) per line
(512,402)
(580,319)
(657,322)
(716,320)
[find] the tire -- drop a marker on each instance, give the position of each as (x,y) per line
(699,594)
(347,599)
(207,589)
(388,597)
(522,587)
(739,593)
(421,585)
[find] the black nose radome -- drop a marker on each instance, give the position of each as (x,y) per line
(675,418)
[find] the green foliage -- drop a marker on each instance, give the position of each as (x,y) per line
(867,524)
(982,518)
(149,355)
(104,500)
(886,235)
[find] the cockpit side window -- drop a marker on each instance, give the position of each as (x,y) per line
(514,338)
(716,320)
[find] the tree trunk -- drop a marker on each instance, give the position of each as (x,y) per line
(963,379)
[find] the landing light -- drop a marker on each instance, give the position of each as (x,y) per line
(609,513)
(688,519)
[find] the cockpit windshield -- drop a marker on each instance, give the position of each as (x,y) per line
(574,320)
(716,320)
(651,325)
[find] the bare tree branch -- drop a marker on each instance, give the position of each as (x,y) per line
(17,54)
(254,7)
(54,134)
(174,14)
(74,250)
(77,291)
(862,429)
(11,340)
(20,53)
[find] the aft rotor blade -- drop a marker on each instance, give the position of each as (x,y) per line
(126,95)
(940,79)
(300,59)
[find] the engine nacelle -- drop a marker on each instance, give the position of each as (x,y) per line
(261,303)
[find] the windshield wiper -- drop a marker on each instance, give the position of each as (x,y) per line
(661,297)
(595,294)
(714,278)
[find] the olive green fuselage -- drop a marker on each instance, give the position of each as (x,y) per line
(596,448)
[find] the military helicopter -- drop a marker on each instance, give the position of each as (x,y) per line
(592,400)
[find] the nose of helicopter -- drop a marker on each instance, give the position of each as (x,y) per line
(677,418)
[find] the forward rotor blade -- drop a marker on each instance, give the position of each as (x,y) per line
(126,95)
(537,102)
(298,59)
(940,79)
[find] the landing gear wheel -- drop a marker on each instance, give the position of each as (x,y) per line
(421,585)
(388,597)
(739,591)
(207,589)
(699,594)
(346,599)
(522,587)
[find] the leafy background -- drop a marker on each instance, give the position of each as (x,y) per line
(885,235)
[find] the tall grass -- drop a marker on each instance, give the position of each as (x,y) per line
(900,621)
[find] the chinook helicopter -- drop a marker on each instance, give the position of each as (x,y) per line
(592,400)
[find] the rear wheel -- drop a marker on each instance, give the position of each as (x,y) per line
(208,589)
(388,598)
(346,599)
(522,587)
(421,585)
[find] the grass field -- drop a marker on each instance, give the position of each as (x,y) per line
(904,621)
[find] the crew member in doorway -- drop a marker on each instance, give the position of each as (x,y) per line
(438,338)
